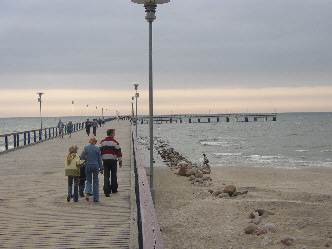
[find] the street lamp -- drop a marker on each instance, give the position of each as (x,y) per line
(40,101)
(132,108)
(136,84)
(150,9)
(87,111)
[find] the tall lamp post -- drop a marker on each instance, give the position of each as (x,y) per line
(136,96)
(132,108)
(40,101)
(150,9)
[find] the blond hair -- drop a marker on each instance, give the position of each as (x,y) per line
(92,140)
(72,153)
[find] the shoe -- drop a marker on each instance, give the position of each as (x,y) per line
(87,197)
(107,195)
(114,192)
(68,198)
(95,201)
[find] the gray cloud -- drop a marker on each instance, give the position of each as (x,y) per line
(221,43)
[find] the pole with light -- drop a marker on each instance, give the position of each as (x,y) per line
(136,84)
(150,9)
(40,101)
(132,108)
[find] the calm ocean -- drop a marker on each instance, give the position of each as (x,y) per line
(294,140)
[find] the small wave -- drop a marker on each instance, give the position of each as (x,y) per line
(302,150)
(226,154)
(215,143)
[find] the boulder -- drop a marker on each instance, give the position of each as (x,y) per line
(250,229)
(182,171)
(190,172)
(216,193)
(230,189)
(199,174)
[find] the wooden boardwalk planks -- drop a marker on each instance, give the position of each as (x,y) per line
(34,212)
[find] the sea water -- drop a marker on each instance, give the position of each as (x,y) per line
(295,140)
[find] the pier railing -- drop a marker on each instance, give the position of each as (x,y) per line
(16,140)
(19,139)
(149,235)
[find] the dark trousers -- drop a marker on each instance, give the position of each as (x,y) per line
(88,131)
(110,171)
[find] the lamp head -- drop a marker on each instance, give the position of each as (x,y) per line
(136,84)
(150,1)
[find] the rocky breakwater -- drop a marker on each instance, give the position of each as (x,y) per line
(184,167)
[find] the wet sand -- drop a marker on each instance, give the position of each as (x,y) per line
(300,198)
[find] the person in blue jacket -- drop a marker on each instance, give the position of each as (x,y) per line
(69,128)
(93,165)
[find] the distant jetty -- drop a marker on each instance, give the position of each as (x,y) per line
(210,118)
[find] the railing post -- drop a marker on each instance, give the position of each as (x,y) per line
(25,138)
(29,137)
(40,134)
(14,140)
(34,136)
(6,142)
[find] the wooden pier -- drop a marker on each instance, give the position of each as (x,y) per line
(33,206)
(211,118)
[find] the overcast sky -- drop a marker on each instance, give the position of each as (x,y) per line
(103,44)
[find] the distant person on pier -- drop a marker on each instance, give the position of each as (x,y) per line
(93,165)
(72,170)
(95,126)
(110,154)
(69,128)
(61,126)
(88,125)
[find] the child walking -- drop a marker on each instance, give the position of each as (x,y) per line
(72,170)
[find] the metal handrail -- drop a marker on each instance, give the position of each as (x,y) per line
(33,136)
(149,230)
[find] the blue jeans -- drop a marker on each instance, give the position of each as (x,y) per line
(91,172)
(70,187)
